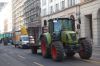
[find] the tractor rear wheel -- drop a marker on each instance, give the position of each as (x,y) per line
(57,51)
(85,49)
(44,48)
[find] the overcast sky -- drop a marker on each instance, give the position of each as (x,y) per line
(6,14)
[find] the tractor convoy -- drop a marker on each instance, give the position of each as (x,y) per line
(57,39)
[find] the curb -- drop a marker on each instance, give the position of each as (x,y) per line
(96,48)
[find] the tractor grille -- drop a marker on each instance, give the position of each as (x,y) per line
(73,36)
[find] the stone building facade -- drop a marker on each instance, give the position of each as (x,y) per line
(86,12)
(17,14)
(25,12)
(90,17)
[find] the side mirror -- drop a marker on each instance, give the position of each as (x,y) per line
(45,23)
(79,20)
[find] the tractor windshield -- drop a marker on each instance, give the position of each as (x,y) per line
(67,24)
(60,24)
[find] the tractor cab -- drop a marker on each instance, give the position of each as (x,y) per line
(55,28)
(62,29)
(58,24)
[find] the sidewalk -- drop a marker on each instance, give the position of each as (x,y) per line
(96,48)
(96,53)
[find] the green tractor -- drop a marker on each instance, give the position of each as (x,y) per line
(59,40)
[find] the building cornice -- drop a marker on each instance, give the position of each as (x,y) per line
(87,2)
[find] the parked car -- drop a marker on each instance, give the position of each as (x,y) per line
(23,42)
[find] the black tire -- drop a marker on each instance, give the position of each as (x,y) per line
(23,47)
(71,54)
(34,49)
(85,49)
(57,51)
(45,47)
(16,46)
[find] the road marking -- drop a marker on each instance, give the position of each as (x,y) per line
(38,64)
(21,56)
(92,61)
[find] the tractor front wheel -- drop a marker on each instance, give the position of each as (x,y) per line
(57,51)
(85,49)
(34,49)
(44,48)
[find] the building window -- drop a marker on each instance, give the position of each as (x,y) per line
(51,1)
(62,4)
(44,12)
(71,3)
(56,7)
(51,9)
(43,2)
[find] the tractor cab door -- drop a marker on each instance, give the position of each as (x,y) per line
(55,27)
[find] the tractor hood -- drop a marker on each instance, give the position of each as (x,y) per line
(69,37)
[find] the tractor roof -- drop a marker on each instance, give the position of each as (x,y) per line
(59,19)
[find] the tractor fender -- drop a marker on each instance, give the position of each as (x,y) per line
(47,38)
(85,38)
(82,38)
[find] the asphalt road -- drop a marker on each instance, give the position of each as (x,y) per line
(10,56)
